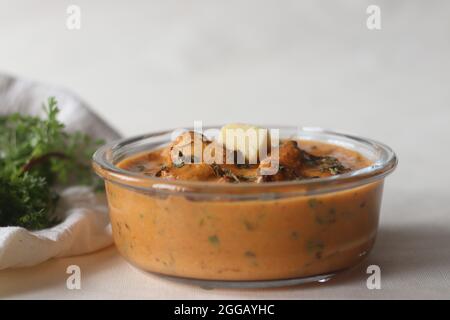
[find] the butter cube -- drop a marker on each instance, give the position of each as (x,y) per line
(250,141)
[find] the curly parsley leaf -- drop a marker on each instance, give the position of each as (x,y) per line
(37,156)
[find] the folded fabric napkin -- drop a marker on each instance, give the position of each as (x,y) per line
(86,226)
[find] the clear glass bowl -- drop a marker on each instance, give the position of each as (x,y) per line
(245,235)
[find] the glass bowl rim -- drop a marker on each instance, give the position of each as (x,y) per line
(319,185)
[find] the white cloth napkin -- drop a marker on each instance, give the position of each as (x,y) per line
(86,226)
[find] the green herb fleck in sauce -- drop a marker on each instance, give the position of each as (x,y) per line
(250,254)
(327,217)
(314,203)
(314,246)
(249,226)
(214,240)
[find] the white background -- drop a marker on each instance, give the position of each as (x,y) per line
(149,65)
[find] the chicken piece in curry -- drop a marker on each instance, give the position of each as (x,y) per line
(297,160)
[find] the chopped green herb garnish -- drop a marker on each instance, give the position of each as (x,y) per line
(250,254)
(249,226)
(314,246)
(214,240)
(228,174)
(330,164)
(243,165)
(217,169)
(243,178)
(224,172)
(160,171)
(313,203)
(326,217)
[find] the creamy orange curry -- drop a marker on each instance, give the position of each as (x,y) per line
(258,239)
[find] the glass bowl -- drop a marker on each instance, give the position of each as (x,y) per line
(245,235)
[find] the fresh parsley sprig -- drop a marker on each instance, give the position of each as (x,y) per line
(37,156)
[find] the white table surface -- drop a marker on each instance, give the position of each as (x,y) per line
(148,65)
